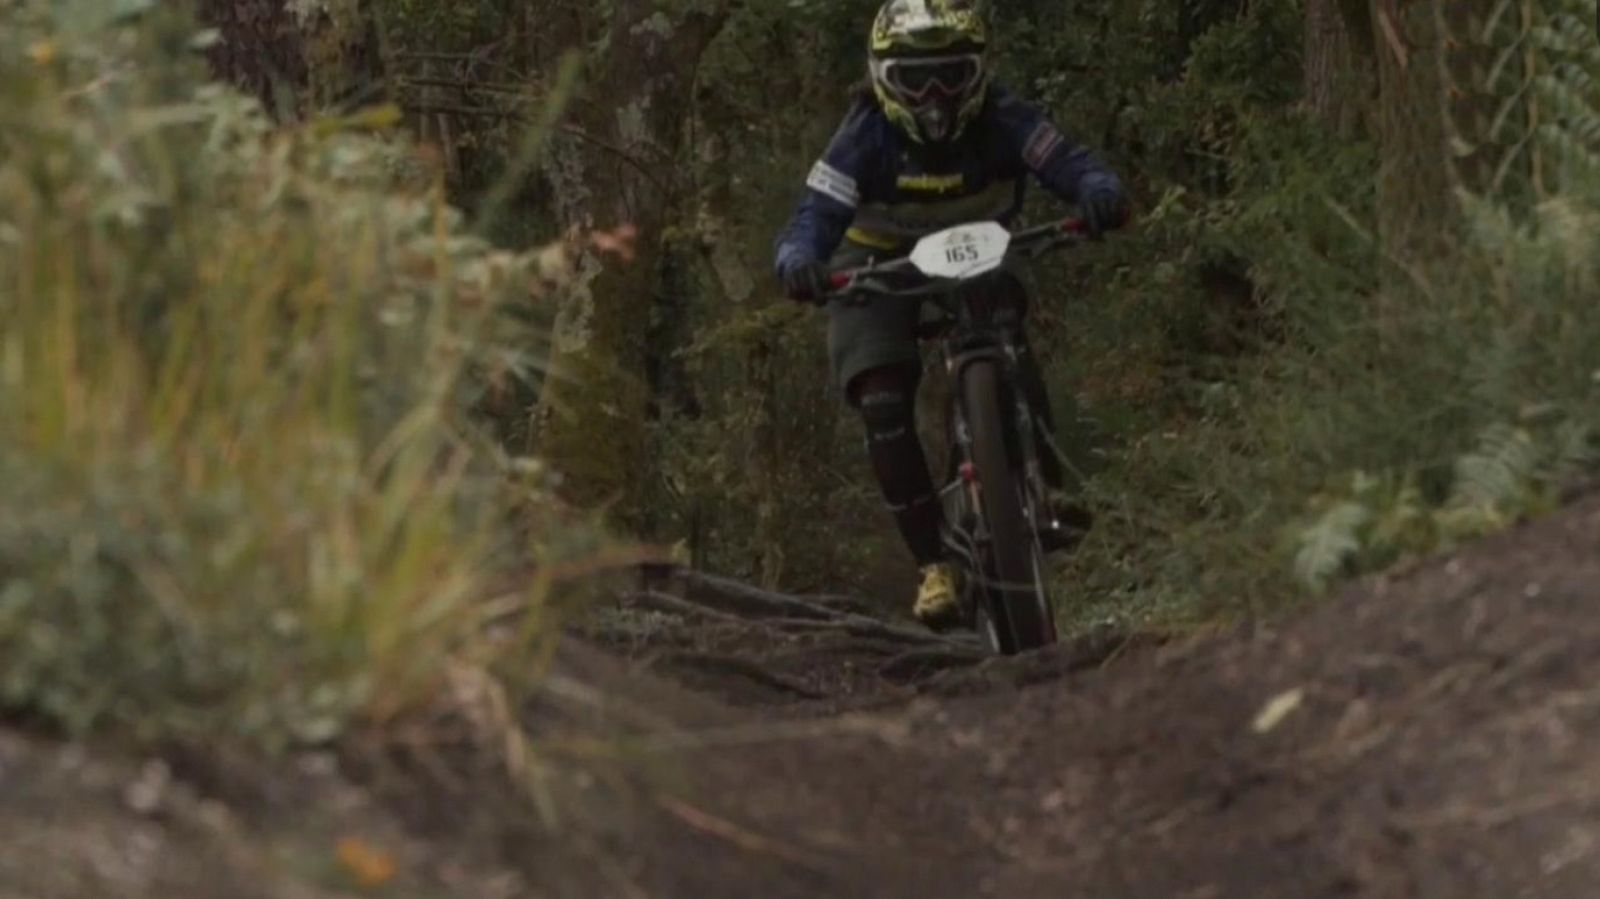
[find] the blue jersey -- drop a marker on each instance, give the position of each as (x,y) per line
(876,187)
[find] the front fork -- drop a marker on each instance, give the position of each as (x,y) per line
(1025,445)
(961,517)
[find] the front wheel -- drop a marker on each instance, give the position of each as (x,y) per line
(1014,604)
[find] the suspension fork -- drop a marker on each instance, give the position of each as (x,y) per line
(960,436)
(1027,429)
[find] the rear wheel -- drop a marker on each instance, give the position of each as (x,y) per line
(1014,599)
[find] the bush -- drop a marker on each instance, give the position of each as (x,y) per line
(1387,423)
(240,491)
(1362,412)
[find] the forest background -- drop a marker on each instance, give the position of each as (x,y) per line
(1349,326)
(279,345)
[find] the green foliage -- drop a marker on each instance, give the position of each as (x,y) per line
(759,460)
(1467,408)
(1193,109)
(1513,472)
(1566,75)
(1329,542)
(1302,423)
(1274,410)
(1541,62)
(240,493)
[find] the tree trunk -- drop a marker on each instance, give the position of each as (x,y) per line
(262,49)
(1415,198)
(291,63)
(1338,83)
(1433,117)
(622,171)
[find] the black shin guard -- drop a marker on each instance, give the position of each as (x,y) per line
(902,469)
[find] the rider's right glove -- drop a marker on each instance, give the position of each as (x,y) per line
(1104,209)
(806,282)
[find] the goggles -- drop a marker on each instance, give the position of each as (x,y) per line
(918,78)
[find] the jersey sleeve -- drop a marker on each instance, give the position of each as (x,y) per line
(1065,168)
(832,194)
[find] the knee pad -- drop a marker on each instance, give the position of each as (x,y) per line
(894,448)
(888,414)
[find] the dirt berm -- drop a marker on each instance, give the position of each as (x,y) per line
(1434,734)
(1431,734)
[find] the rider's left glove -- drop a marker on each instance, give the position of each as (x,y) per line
(806,282)
(1104,209)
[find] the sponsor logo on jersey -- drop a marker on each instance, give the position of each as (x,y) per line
(932,183)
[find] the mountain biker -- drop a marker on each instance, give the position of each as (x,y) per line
(934,144)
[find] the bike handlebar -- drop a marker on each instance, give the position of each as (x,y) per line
(846,281)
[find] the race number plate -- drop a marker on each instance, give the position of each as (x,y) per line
(962,252)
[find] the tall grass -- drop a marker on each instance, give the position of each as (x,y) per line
(239,491)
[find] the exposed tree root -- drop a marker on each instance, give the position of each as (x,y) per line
(817,648)
(742,599)
(711,598)
(868,628)
(666,602)
(747,669)
(920,664)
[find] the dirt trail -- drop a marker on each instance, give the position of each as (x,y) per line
(1432,734)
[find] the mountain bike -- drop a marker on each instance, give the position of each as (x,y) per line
(996,509)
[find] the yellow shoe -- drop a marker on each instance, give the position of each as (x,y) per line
(937,604)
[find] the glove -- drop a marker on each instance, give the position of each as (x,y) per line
(1104,209)
(806,282)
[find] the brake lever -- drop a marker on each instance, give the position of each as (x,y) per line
(856,287)
(860,294)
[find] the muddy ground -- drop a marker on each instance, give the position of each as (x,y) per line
(1430,734)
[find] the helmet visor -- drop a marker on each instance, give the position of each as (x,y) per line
(919,78)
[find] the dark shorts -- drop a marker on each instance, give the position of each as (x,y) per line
(882,332)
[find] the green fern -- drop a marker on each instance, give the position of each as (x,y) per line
(1514,471)
(1569,66)
(1402,525)
(1500,471)
(1542,74)
(1574,453)
(1330,542)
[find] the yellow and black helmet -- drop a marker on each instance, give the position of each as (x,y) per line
(930,65)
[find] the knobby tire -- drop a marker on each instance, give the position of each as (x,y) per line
(1023,619)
